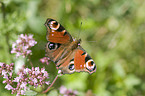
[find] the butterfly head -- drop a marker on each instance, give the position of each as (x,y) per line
(77,41)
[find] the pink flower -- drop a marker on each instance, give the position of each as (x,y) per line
(35,80)
(45,74)
(17,79)
(47,82)
(67,92)
(4,73)
(22,92)
(26,70)
(62,90)
(8,87)
(34,76)
(60,72)
(4,81)
(22,46)
(45,60)
(23,85)
(37,71)
(1,64)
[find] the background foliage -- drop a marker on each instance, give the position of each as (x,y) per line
(116,27)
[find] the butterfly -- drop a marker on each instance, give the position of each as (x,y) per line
(65,51)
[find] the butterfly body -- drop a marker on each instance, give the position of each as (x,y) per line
(65,51)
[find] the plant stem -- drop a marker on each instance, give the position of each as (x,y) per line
(50,85)
(3,10)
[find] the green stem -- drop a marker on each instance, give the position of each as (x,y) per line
(3,10)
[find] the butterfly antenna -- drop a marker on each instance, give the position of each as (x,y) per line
(92,41)
(80,30)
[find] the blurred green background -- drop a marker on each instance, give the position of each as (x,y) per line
(112,32)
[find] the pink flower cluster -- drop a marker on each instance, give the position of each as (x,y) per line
(25,77)
(22,46)
(45,60)
(6,72)
(67,92)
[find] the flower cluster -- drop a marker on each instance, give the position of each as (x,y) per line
(45,60)
(67,92)
(22,46)
(25,77)
(32,77)
(6,72)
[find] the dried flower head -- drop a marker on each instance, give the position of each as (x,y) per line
(22,46)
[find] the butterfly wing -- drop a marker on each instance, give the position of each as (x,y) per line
(78,61)
(83,61)
(67,55)
(58,39)
(56,33)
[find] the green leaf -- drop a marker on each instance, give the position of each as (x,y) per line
(131,81)
(30,93)
(53,93)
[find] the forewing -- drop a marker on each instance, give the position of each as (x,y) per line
(58,39)
(56,33)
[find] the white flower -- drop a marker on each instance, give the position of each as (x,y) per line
(17,79)
(35,80)
(23,85)
(8,87)
(1,64)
